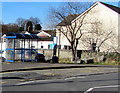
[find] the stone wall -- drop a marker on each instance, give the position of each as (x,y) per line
(67,55)
(49,53)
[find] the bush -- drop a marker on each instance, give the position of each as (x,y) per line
(21,28)
(112,57)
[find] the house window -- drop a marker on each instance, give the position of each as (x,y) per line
(59,46)
(33,46)
(48,46)
(41,46)
(93,46)
(79,52)
(67,47)
(4,40)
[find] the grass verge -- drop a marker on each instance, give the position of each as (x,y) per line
(68,61)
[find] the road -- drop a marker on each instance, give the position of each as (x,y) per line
(85,84)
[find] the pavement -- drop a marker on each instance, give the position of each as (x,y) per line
(30,71)
(49,76)
(56,69)
(27,66)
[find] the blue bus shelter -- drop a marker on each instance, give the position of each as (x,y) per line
(19,47)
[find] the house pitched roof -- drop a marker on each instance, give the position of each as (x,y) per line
(114,8)
(31,32)
(47,35)
(43,34)
(70,18)
(51,32)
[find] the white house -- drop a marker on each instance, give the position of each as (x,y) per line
(100,27)
(46,40)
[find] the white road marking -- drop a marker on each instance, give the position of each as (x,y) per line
(43,81)
(25,83)
(107,86)
(73,78)
(90,89)
(40,81)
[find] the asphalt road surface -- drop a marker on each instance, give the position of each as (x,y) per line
(84,84)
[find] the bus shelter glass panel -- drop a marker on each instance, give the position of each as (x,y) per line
(17,43)
(10,55)
(22,43)
(33,53)
(28,43)
(28,55)
(18,55)
(10,43)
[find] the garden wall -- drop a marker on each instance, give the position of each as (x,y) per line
(67,55)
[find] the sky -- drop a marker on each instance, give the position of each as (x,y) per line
(13,10)
(10,11)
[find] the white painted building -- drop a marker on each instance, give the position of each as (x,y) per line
(107,15)
(45,42)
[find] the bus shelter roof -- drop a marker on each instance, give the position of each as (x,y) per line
(21,36)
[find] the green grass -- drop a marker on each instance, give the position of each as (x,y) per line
(107,63)
(68,61)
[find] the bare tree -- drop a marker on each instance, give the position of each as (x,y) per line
(20,22)
(97,35)
(58,14)
(98,38)
(72,30)
(35,20)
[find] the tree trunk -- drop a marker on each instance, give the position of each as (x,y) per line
(74,53)
(98,57)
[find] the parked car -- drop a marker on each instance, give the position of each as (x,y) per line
(40,57)
(31,55)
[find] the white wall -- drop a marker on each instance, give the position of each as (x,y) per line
(109,20)
(42,43)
